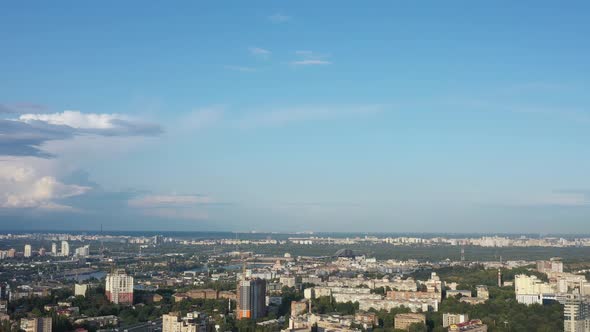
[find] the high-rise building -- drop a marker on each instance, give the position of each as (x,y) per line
(28,250)
(42,324)
(83,251)
(576,314)
(54,249)
(11,253)
(42,251)
(65,248)
(119,287)
(251,298)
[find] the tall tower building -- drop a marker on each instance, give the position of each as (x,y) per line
(28,250)
(65,248)
(119,287)
(54,249)
(576,313)
(251,298)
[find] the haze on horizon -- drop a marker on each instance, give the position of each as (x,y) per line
(295,116)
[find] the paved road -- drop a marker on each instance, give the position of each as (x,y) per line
(153,326)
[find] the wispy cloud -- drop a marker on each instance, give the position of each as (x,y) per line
(311,62)
(243,69)
(279,18)
(310,58)
(25,135)
(259,52)
(20,108)
(187,207)
(162,201)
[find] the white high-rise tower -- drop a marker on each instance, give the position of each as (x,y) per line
(65,248)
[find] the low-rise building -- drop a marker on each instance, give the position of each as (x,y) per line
(450,319)
(404,321)
(39,324)
(470,326)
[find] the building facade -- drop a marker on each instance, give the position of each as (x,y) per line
(251,298)
(450,319)
(403,321)
(576,314)
(42,324)
(119,287)
(65,248)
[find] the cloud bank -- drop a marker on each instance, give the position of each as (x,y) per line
(25,135)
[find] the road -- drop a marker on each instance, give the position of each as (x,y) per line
(153,326)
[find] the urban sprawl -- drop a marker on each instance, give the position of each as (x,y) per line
(101,282)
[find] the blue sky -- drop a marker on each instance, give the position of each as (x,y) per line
(295,115)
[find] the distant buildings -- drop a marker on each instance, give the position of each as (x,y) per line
(42,324)
(65,248)
(552,265)
(54,249)
(28,251)
(83,251)
(403,321)
(119,287)
(251,298)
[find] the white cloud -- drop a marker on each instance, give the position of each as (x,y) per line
(279,18)
(161,201)
(75,119)
(311,62)
(22,187)
(259,52)
(310,58)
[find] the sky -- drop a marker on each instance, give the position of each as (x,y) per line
(381,116)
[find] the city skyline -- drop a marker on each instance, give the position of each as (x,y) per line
(282,116)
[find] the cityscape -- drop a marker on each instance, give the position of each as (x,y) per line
(294,166)
(280,282)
